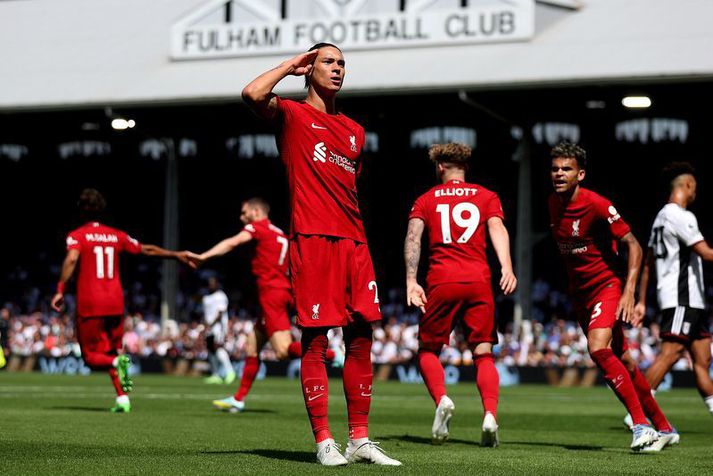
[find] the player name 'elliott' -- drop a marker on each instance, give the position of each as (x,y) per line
(456,192)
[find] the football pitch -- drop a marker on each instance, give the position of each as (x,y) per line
(61,425)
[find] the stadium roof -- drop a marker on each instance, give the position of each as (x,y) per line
(75,53)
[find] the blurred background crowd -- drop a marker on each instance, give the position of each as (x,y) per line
(551,338)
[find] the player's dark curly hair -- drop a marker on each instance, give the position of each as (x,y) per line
(452,153)
(258,202)
(568,150)
(674,170)
(316,47)
(91,204)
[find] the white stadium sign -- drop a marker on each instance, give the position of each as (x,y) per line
(223,28)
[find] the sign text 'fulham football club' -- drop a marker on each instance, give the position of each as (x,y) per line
(222,28)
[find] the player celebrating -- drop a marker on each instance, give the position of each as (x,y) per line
(215,317)
(586,227)
(269,265)
(675,249)
(331,270)
(455,214)
(100,299)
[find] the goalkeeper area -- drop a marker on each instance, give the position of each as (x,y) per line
(60,425)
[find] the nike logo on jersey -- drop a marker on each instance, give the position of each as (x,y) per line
(315,126)
(314,397)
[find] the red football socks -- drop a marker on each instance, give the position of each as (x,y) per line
(250,370)
(488,382)
(314,381)
(294,350)
(648,402)
(432,373)
(114,375)
(358,377)
(619,380)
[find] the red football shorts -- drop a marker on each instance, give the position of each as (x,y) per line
(598,311)
(275,304)
(101,334)
(333,281)
(470,304)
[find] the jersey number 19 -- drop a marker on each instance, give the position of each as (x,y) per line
(470,224)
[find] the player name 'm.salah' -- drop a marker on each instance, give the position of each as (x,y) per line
(101,238)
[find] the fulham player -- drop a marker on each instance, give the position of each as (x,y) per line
(270,268)
(588,230)
(676,248)
(330,266)
(455,214)
(95,248)
(215,317)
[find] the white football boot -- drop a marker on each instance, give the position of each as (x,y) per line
(441,420)
(629,422)
(368,452)
(666,438)
(229,404)
(489,435)
(643,436)
(328,454)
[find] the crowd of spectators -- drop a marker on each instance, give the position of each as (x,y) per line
(546,340)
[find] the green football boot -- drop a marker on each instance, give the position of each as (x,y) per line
(122,369)
(121,408)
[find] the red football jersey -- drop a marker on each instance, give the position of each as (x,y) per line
(586,231)
(321,154)
(99,290)
(270,256)
(455,215)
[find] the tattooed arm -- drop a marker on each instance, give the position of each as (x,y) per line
(415,295)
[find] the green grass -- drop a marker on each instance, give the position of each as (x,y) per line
(61,425)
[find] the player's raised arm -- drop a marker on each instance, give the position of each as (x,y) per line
(640,308)
(258,93)
(625,309)
(415,295)
(501,242)
(68,267)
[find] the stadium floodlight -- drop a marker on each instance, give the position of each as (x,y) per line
(121,124)
(636,102)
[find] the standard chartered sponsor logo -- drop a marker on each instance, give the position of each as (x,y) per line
(320,155)
(320,152)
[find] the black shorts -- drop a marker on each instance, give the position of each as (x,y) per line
(684,324)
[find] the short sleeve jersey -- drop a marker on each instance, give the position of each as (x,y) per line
(679,270)
(455,216)
(270,255)
(586,230)
(99,291)
(321,154)
(215,307)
